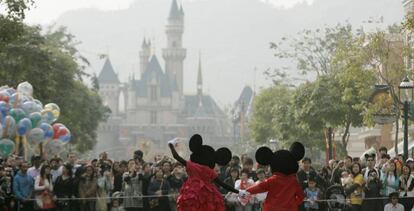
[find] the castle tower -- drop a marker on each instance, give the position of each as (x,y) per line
(174,54)
(199,79)
(144,55)
(109,87)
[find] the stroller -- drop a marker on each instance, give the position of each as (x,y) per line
(336,197)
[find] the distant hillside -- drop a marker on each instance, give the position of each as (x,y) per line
(233,35)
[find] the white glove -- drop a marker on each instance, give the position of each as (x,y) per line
(174,141)
(243,193)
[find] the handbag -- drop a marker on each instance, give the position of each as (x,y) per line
(155,202)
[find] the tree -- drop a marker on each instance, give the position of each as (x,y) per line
(52,64)
(312,51)
(273,118)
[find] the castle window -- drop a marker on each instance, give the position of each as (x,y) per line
(153,92)
(153,117)
(174,44)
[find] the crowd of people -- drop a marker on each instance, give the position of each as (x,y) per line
(376,183)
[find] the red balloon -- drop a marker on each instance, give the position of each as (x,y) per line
(4,98)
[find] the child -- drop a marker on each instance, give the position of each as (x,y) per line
(393,205)
(346,179)
(312,195)
(260,197)
(116,202)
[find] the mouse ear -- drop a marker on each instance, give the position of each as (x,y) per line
(298,150)
(366,156)
(195,143)
(264,156)
(222,156)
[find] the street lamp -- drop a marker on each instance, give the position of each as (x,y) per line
(406,96)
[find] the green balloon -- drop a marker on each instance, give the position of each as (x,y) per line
(6,147)
(35,117)
(17,114)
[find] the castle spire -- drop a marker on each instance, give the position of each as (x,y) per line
(174,11)
(199,78)
(144,43)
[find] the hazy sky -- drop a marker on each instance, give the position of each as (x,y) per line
(47,11)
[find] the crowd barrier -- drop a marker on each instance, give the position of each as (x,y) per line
(176,195)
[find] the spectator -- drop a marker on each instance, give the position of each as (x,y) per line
(138,156)
(410,163)
(34,171)
(370,162)
(306,172)
(44,189)
(166,169)
(104,187)
(389,179)
(118,169)
(87,189)
(230,198)
(356,189)
(116,204)
(159,187)
(337,172)
(176,181)
(312,195)
(383,162)
(260,197)
(72,161)
(372,190)
(393,205)
(242,184)
(382,151)
(407,187)
(248,165)
(146,178)
(56,170)
(64,188)
(6,188)
(132,188)
(23,187)
(234,164)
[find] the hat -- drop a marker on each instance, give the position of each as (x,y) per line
(409,160)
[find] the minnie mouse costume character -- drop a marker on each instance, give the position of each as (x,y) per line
(284,191)
(198,193)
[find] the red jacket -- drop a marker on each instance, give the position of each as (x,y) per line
(284,192)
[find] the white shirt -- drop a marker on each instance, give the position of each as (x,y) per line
(391,207)
(44,186)
(33,172)
(55,174)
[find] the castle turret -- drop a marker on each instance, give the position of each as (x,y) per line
(109,87)
(174,54)
(199,80)
(144,55)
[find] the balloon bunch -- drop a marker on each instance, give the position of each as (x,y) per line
(30,124)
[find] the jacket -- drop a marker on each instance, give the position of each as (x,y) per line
(23,186)
(284,192)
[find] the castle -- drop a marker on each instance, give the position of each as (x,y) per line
(156,108)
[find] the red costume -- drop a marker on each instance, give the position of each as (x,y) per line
(198,192)
(284,192)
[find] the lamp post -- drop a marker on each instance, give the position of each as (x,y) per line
(405,93)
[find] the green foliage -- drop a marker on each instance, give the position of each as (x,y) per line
(312,51)
(54,67)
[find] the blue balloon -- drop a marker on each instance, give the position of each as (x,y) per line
(47,129)
(4,108)
(24,126)
(9,126)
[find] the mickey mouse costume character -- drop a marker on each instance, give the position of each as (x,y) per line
(284,191)
(198,193)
